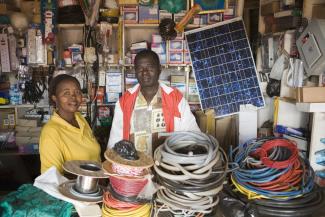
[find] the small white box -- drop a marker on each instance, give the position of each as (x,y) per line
(175,45)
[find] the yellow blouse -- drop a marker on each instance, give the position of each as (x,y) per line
(60,142)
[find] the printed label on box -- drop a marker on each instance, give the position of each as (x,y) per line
(175,57)
(176,45)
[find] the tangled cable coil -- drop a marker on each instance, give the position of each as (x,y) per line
(115,208)
(271,169)
(192,167)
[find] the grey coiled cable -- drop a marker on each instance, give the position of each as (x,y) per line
(191,166)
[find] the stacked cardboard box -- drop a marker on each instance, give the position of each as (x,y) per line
(159,46)
(27,135)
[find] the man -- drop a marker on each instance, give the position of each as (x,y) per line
(149,107)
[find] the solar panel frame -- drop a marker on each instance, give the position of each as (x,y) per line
(224,68)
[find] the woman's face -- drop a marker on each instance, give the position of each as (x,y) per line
(68,97)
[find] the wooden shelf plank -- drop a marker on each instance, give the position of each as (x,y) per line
(140,25)
(78,26)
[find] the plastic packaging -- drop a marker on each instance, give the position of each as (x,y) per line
(273,88)
(126,150)
(149,189)
(288,130)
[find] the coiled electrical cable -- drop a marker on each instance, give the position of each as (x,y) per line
(127,187)
(192,167)
(115,208)
(110,201)
(303,206)
(129,191)
(271,169)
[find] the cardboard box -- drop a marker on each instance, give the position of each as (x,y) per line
(178,81)
(156,38)
(19,128)
(3,8)
(27,134)
(163,14)
(28,122)
(311,94)
(5,115)
(175,57)
(195,20)
(159,48)
(270,7)
(130,14)
(224,129)
(179,16)
(215,18)
(22,140)
(187,58)
(163,58)
(148,14)
(203,19)
(318,11)
(193,96)
(175,45)
(112,97)
(229,13)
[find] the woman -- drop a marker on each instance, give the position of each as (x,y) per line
(67,135)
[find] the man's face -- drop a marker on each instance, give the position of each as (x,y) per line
(147,71)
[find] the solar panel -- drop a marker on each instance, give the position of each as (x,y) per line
(224,68)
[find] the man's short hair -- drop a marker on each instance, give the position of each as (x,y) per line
(147,53)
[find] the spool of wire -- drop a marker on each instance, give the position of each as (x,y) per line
(127,187)
(271,169)
(192,167)
(129,175)
(85,188)
(115,208)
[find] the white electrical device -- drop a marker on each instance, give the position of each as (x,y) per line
(13,55)
(40,48)
(271,52)
(4,53)
(31,46)
(101,78)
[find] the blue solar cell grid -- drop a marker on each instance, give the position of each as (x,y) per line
(224,69)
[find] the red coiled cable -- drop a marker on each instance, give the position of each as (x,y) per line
(127,186)
(110,201)
(286,181)
(262,152)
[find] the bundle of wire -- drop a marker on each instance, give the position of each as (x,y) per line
(302,206)
(191,166)
(129,175)
(116,208)
(127,187)
(121,197)
(271,169)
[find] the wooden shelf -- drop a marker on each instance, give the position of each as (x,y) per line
(106,104)
(70,26)
(23,106)
(6,152)
(140,25)
(79,26)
